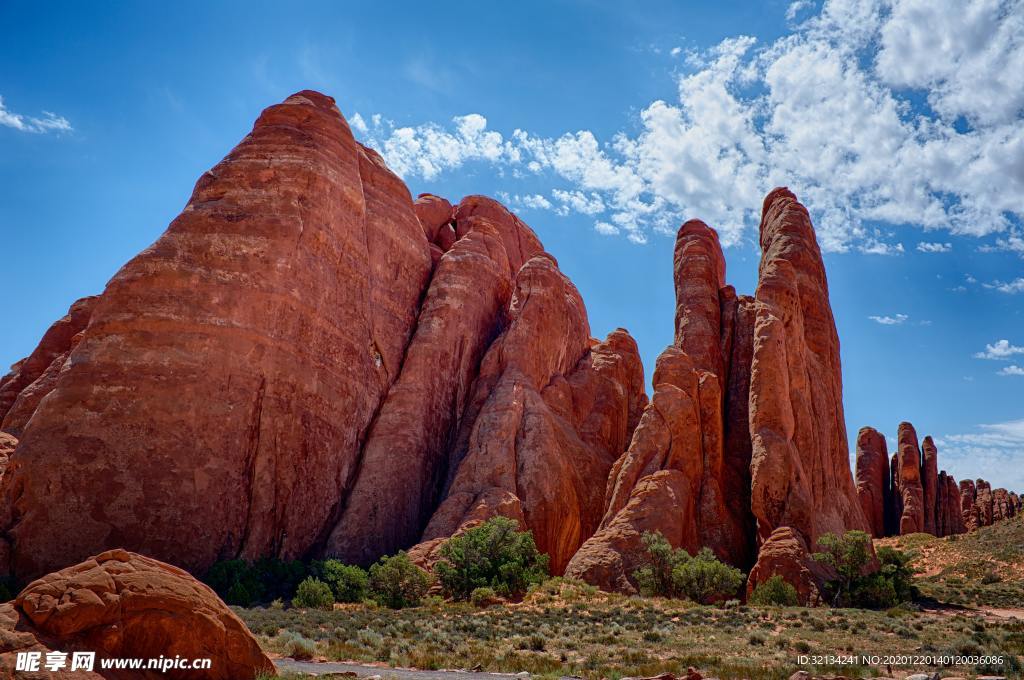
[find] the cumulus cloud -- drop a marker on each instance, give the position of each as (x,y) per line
(1012,369)
(991,451)
(49,122)
(528,201)
(926,247)
(999,350)
(894,320)
(878,113)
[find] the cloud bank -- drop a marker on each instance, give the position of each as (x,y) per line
(879,113)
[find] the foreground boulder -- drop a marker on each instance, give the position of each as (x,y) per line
(785,554)
(123,605)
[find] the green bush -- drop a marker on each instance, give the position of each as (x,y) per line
(655,576)
(775,592)
(313,594)
(396,582)
(675,573)
(493,555)
(849,556)
(483,597)
(704,579)
(349,583)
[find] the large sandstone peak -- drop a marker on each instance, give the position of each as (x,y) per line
(800,460)
(198,417)
(123,605)
(307,361)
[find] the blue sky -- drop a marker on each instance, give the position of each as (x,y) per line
(604,125)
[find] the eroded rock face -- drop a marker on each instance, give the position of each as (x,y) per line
(968,505)
(910,488)
(549,414)
(785,554)
(31,379)
(288,286)
(873,478)
(984,502)
(119,604)
(800,458)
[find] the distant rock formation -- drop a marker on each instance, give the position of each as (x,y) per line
(873,480)
(912,488)
(122,605)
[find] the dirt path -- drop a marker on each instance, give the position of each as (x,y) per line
(384,672)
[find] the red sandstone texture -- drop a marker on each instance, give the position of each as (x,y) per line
(119,604)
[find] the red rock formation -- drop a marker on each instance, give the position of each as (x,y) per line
(690,454)
(404,459)
(912,518)
(894,511)
(955,522)
(984,502)
(929,484)
(968,505)
(433,213)
(785,554)
(548,415)
(873,478)
(1001,508)
(26,380)
(7,445)
(287,287)
(800,462)
(119,604)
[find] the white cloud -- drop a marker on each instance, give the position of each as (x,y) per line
(358,124)
(1012,369)
(577,201)
(1000,350)
(1009,287)
(605,228)
(926,247)
(50,122)
(528,201)
(827,109)
(993,452)
(894,320)
(797,7)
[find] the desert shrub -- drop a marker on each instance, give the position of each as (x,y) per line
(296,646)
(776,591)
(675,573)
(396,582)
(849,555)
(348,582)
(493,555)
(483,597)
(704,579)
(313,593)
